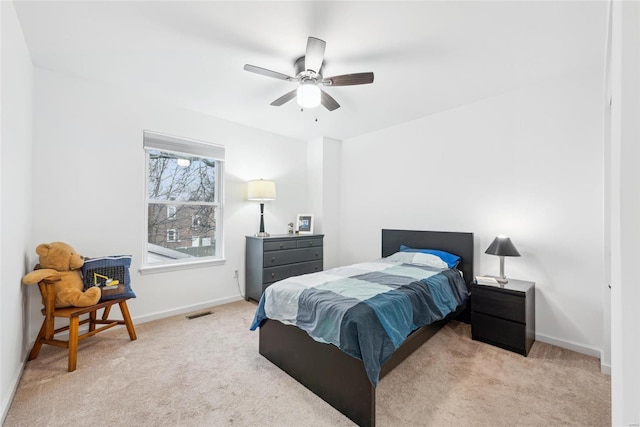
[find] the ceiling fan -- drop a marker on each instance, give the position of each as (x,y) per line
(308,75)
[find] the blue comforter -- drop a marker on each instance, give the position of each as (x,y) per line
(368,309)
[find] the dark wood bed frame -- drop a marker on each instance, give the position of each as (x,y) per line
(333,375)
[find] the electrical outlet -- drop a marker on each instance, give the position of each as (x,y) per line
(235,273)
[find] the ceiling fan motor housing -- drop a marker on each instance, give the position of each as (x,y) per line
(301,70)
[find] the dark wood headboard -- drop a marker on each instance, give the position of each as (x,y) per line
(460,244)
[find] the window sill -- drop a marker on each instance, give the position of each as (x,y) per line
(164,268)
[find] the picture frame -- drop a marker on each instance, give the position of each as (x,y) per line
(304,223)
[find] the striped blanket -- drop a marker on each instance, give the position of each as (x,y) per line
(367,309)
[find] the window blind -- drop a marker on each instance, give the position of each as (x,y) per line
(159,141)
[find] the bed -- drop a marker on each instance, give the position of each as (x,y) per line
(343,381)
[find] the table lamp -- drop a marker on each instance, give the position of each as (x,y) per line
(502,247)
(261,190)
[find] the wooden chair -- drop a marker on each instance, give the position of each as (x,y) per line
(47,331)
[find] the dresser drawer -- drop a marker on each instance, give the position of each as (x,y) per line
(273,274)
(277,246)
(499,304)
(272,259)
(310,242)
(502,333)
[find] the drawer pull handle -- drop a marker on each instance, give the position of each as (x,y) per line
(316,254)
(310,243)
(273,259)
(273,275)
(281,246)
(315,268)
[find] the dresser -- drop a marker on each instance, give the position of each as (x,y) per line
(504,316)
(273,258)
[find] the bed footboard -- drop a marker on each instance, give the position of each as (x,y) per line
(337,378)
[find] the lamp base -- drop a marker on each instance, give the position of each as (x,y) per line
(262,234)
(502,279)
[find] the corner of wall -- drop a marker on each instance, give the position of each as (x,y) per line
(323,181)
(16,140)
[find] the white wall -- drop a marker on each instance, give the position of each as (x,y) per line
(16,89)
(527,164)
(624,214)
(89,185)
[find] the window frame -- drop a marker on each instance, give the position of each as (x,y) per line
(186,147)
(171,209)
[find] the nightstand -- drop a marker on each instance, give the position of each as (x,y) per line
(504,316)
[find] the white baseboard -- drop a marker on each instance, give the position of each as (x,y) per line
(6,402)
(578,348)
(184,309)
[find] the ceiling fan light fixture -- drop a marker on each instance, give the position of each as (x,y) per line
(308,95)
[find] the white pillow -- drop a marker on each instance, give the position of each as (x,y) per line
(429,260)
(401,257)
(418,258)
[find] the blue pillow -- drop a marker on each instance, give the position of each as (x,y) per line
(451,259)
(105,270)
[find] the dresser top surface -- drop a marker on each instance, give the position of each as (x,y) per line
(286,236)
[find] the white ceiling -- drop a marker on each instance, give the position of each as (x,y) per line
(427,56)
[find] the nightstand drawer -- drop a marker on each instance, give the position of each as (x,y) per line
(274,274)
(499,332)
(498,303)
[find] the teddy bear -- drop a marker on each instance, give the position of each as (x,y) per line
(58,260)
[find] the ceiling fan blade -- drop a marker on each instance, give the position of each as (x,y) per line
(328,101)
(268,73)
(315,54)
(349,79)
(284,98)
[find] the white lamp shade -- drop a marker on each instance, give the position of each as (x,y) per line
(260,189)
(308,95)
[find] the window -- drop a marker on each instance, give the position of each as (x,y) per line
(183,205)
(195,221)
(171,212)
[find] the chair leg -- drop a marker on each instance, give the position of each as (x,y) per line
(92,321)
(38,344)
(127,320)
(74,323)
(105,313)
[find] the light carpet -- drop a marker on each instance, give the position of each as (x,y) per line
(207,372)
